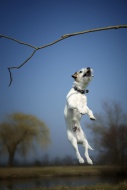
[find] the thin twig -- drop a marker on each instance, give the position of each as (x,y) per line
(18,67)
(94,30)
(13,39)
(52,43)
(10,76)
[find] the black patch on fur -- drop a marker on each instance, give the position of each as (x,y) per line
(76,129)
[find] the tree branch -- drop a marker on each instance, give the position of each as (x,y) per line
(94,30)
(13,39)
(52,43)
(18,67)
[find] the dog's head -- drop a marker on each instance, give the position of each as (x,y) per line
(84,75)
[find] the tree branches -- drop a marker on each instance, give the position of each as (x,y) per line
(35,49)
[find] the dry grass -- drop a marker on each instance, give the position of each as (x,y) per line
(61,171)
(66,171)
(121,186)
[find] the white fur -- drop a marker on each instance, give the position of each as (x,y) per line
(76,106)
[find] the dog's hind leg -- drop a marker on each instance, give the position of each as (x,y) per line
(75,146)
(73,141)
(87,146)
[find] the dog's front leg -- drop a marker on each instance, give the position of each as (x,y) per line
(90,113)
(81,105)
(85,110)
(75,103)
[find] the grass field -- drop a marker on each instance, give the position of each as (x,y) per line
(61,171)
(121,186)
(66,171)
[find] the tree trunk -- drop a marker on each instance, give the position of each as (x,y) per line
(11,158)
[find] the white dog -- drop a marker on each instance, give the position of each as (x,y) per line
(76,106)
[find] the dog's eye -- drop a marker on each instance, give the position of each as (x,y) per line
(80,71)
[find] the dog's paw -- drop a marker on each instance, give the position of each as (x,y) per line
(93,118)
(89,161)
(81,160)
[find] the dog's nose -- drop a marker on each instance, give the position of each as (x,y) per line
(88,68)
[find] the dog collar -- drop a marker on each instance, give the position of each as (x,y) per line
(80,91)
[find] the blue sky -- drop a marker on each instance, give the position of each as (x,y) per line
(40,87)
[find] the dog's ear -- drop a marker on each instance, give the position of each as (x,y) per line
(74,75)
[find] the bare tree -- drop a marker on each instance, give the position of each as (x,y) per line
(110,131)
(18,132)
(35,49)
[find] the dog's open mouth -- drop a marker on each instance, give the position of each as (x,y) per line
(88,73)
